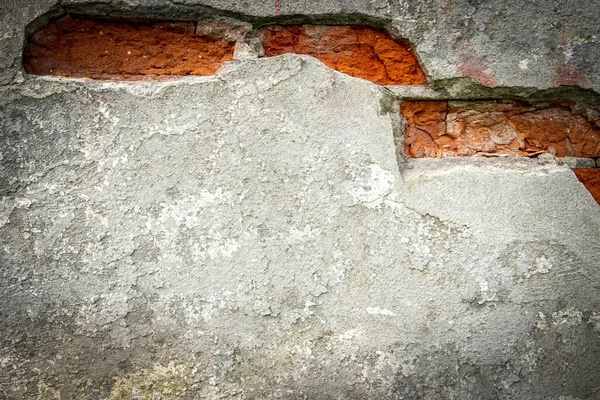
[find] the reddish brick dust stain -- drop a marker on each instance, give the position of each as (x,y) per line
(590,177)
(83,47)
(566,74)
(354,50)
(277,7)
(479,72)
(443,129)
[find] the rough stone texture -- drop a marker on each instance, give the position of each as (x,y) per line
(14,16)
(354,50)
(540,45)
(448,129)
(577,162)
(83,47)
(253,235)
(590,177)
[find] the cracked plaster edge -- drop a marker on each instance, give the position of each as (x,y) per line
(447,166)
(42,86)
(440,88)
(408,169)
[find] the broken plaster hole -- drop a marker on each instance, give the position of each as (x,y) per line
(590,178)
(358,51)
(499,128)
(78,46)
(506,129)
(84,47)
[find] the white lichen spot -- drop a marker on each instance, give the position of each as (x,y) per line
(215,307)
(524,64)
(48,392)
(21,202)
(567,317)
(541,265)
(486,297)
(297,235)
(408,369)
(541,323)
(384,367)
(594,321)
(8,360)
(99,311)
(196,212)
(104,112)
(380,311)
(349,335)
(160,381)
(484,285)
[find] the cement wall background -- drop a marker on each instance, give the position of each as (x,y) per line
(259,233)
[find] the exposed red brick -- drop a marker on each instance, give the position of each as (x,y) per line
(83,47)
(590,177)
(426,123)
(354,50)
(440,129)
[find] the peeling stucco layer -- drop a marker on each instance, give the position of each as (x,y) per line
(254,235)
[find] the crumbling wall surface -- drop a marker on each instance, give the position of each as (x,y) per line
(260,233)
(535,44)
(254,235)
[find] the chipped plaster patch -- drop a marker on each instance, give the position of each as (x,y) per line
(371,184)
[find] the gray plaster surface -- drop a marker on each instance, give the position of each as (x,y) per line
(526,46)
(254,236)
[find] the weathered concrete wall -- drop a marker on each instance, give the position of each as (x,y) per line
(259,233)
(252,235)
